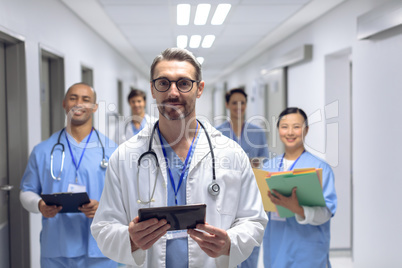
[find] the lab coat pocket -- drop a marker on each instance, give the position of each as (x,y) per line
(230,183)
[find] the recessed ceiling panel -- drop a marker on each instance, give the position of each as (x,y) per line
(149,26)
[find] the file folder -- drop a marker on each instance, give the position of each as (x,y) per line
(307,180)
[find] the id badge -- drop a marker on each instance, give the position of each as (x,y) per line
(176,234)
(275,217)
(76,188)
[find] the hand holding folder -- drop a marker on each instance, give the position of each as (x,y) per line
(308,182)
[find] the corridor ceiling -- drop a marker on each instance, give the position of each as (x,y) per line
(141,29)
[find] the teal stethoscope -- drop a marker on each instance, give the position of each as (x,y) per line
(213,187)
(103,163)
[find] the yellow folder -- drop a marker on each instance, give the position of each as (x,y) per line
(260,176)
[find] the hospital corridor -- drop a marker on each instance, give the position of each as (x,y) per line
(112,107)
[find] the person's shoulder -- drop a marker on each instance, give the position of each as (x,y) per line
(252,126)
(151,119)
(137,142)
(272,164)
(224,125)
(222,141)
(48,143)
(319,162)
(108,142)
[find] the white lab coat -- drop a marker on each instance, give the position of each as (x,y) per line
(237,209)
(126,128)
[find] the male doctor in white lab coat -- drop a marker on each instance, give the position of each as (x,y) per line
(235,218)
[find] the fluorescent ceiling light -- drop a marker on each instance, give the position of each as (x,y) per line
(200,60)
(182,41)
(195,41)
(220,14)
(183,14)
(202,13)
(208,41)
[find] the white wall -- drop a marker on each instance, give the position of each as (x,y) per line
(377,114)
(50,24)
(376,129)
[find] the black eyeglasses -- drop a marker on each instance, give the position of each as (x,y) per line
(183,84)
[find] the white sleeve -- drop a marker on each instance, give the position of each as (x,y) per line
(314,215)
(248,228)
(110,224)
(30,201)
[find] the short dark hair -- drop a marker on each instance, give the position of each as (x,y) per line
(233,91)
(178,54)
(136,92)
(292,110)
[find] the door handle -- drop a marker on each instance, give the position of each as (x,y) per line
(6,187)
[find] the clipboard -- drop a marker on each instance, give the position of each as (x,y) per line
(69,201)
(179,217)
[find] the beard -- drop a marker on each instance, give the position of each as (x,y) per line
(172,112)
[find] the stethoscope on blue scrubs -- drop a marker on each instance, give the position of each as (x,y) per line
(213,187)
(103,164)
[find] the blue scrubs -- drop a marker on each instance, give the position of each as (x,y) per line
(290,244)
(142,125)
(177,249)
(252,139)
(68,234)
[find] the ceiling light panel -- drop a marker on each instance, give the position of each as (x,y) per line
(220,14)
(200,60)
(183,14)
(208,41)
(195,41)
(202,13)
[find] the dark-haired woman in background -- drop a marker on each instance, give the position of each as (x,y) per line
(303,240)
(250,137)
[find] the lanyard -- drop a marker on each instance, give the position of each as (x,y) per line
(82,154)
(294,163)
(184,166)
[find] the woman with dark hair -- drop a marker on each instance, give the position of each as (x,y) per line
(250,137)
(303,240)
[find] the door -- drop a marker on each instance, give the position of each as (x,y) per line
(4,187)
(276,101)
(51,92)
(87,76)
(338,150)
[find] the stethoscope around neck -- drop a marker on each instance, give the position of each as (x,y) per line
(103,163)
(213,187)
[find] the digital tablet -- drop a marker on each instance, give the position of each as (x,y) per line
(179,217)
(69,201)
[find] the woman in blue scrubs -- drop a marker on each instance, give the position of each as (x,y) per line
(252,140)
(250,137)
(303,240)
